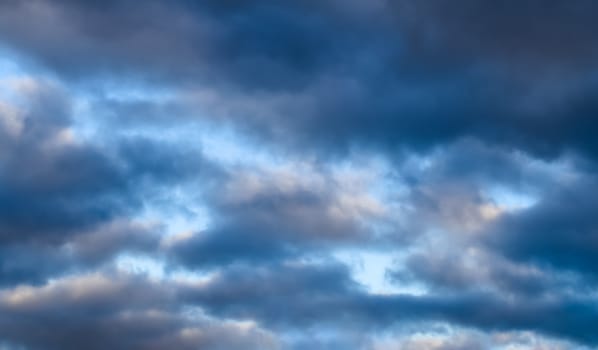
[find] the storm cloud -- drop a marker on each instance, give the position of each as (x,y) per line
(360,175)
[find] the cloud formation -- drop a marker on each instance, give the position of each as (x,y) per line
(363,175)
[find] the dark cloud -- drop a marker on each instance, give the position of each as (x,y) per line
(328,296)
(388,74)
(35,262)
(537,36)
(67,203)
(482,114)
(114,311)
(307,293)
(44,173)
(559,231)
(261,215)
(185,40)
(455,272)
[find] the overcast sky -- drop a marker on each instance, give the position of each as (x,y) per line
(298,175)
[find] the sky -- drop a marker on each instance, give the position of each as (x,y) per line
(298,175)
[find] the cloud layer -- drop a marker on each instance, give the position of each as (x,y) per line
(362,175)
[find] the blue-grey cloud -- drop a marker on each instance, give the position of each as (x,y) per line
(477,119)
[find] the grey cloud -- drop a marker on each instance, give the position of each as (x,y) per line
(560,231)
(459,97)
(60,193)
(116,311)
(357,67)
(329,297)
(261,215)
(35,262)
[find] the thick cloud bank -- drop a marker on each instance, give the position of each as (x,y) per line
(360,174)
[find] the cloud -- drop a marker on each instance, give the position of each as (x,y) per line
(329,297)
(265,214)
(555,232)
(234,151)
(116,311)
(35,262)
(67,202)
(330,76)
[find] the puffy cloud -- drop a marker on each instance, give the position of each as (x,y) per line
(455,138)
(559,231)
(117,311)
(66,201)
(265,214)
(331,75)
